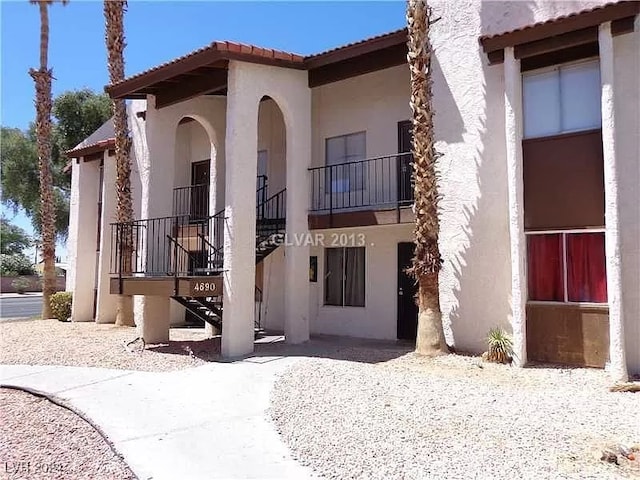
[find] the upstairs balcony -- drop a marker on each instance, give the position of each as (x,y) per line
(375,191)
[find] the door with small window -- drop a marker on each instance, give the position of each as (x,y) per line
(200,190)
(407,289)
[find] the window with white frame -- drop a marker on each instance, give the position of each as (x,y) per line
(344,275)
(567,266)
(343,155)
(561,99)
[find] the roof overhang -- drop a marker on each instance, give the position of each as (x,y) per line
(569,31)
(87,150)
(204,71)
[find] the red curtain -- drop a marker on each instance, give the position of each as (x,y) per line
(544,267)
(586,271)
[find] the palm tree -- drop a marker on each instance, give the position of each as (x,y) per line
(42,78)
(427,261)
(114,37)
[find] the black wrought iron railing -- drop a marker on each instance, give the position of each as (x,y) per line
(381,182)
(271,216)
(192,200)
(262,189)
(167,246)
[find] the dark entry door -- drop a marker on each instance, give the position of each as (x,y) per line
(407,308)
(404,168)
(200,189)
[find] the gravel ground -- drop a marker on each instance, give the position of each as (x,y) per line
(41,440)
(50,342)
(452,417)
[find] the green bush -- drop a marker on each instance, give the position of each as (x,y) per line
(61,305)
(14,264)
(21,284)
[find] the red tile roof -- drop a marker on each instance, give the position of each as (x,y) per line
(226,50)
(222,50)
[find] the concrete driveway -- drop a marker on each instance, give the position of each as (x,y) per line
(202,423)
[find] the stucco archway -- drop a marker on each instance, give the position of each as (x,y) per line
(271,212)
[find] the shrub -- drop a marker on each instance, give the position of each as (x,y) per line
(61,305)
(15,264)
(21,284)
(500,346)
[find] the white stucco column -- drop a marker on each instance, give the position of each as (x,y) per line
(240,211)
(513,138)
(298,158)
(157,170)
(86,176)
(155,324)
(107,303)
(617,361)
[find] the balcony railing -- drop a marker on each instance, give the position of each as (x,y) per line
(192,201)
(168,246)
(382,182)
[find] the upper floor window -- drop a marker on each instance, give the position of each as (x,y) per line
(340,153)
(565,98)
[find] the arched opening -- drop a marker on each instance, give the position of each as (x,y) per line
(195,202)
(195,167)
(270,214)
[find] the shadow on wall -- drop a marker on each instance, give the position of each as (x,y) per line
(478,266)
(446,109)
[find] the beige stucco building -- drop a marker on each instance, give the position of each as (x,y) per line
(273,190)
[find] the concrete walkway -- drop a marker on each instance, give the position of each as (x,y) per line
(202,423)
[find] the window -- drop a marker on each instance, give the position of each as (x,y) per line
(340,153)
(562,99)
(567,266)
(344,277)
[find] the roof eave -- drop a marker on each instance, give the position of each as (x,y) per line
(97,147)
(561,25)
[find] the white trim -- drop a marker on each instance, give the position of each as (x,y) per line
(615,291)
(514,118)
(576,304)
(568,230)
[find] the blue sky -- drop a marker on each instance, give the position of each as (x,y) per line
(158,31)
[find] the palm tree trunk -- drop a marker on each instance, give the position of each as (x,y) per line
(427,262)
(42,78)
(114,18)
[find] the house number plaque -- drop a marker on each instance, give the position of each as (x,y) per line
(205,287)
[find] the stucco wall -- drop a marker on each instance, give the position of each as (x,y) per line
(378,318)
(627,110)
(469,123)
(374,103)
